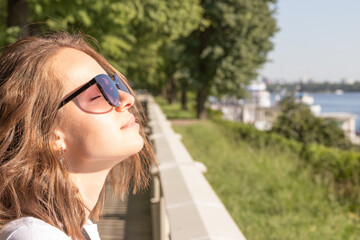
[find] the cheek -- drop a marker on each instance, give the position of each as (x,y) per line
(80,138)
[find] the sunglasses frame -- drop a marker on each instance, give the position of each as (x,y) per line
(92,82)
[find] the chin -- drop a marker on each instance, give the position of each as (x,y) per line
(139,144)
(134,145)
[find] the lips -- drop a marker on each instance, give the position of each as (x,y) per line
(131,122)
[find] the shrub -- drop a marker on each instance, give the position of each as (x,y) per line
(340,167)
(297,122)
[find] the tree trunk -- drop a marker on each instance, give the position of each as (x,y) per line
(164,91)
(184,97)
(204,76)
(172,91)
(201,99)
(17,15)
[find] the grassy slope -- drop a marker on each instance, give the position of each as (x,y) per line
(265,191)
(173,111)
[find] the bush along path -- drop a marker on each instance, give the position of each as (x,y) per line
(340,167)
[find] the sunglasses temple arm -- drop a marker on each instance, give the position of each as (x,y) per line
(77,93)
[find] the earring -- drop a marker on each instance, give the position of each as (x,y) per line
(62,155)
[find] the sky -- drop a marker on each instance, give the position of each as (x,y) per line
(318,40)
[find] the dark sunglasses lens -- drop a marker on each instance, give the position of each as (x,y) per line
(121,84)
(109,89)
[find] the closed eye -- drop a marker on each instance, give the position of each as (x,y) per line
(94,98)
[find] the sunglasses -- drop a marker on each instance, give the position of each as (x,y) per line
(99,95)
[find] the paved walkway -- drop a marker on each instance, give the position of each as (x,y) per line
(129,219)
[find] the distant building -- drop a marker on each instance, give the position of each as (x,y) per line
(304,80)
(260,96)
(261,117)
(266,80)
(346,121)
(348,81)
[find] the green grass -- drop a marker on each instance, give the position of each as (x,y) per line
(265,190)
(173,111)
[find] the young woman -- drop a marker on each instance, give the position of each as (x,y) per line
(68,122)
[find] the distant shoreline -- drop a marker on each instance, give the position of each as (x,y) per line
(327,92)
(314,87)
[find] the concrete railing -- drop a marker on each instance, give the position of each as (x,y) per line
(188,206)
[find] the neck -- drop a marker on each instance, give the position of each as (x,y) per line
(90,186)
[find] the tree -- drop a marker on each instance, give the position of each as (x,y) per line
(296,121)
(176,69)
(229,45)
(13,16)
(17,14)
(172,51)
(130,34)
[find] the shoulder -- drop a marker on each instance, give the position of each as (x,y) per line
(29,228)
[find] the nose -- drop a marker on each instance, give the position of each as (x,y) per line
(126,101)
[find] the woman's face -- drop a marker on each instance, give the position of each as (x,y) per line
(92,142)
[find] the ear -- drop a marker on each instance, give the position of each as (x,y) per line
(58,140)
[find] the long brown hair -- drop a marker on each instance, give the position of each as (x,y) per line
(33,182)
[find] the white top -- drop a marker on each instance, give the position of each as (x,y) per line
(30,228)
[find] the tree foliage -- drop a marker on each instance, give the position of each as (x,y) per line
(130,34)
(208,46)
(296,121)
(229,45)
